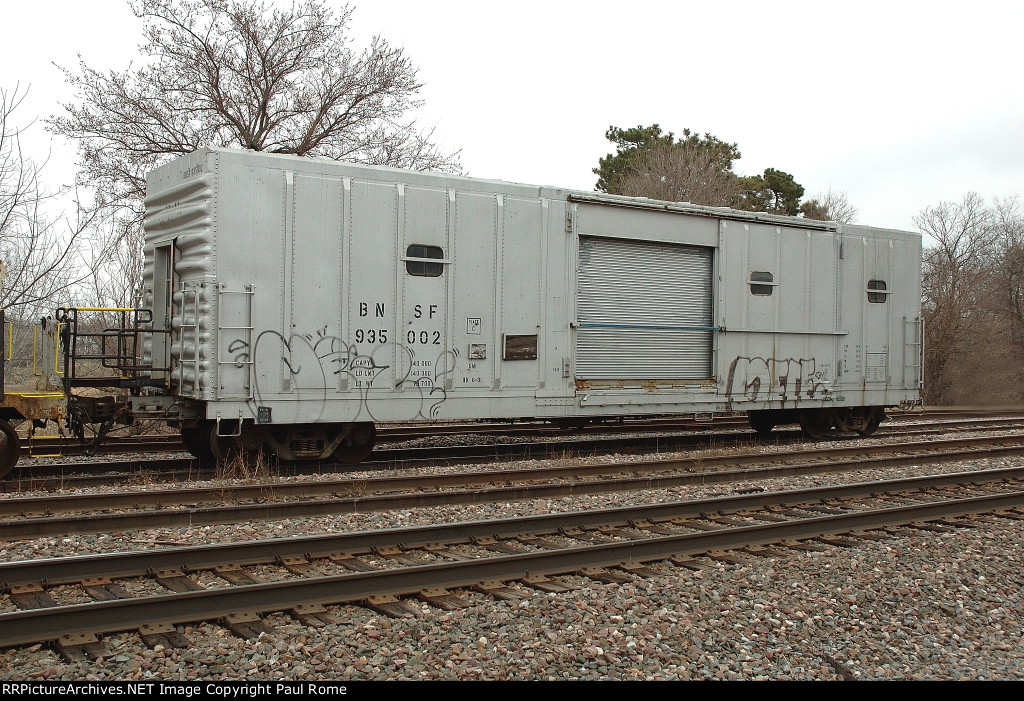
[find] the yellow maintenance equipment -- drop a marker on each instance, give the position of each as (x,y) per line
(35,401)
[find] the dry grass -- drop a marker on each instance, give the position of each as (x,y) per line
(249,465)
(567,454)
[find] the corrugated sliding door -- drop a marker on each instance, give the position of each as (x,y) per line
(644,311)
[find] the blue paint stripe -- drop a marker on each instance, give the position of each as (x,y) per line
(655,328)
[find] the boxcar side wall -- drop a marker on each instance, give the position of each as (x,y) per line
(302,291)
(881,292)
(780,316)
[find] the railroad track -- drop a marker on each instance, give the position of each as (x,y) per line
(93,473)
(48,446)
(67,445)
(496,557)
(154,508)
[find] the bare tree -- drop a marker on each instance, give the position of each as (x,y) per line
(116,271)
(830,206)
(1007,288)
(687,171)
(240,73)
(956,274)
(40,250)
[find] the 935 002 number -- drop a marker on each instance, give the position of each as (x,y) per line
(432,338)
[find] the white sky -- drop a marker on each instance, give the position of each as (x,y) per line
(899,104)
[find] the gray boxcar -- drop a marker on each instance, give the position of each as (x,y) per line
(298,302)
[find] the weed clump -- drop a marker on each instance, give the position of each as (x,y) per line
(248,465)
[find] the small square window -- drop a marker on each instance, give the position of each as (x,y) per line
(877,291)
(520,347)
(762,289)
(421,267)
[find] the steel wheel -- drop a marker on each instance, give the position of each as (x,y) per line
(197,442)
(814,424)
(10,448)
(225,449)
(874,418)
(357,445)
(762,422)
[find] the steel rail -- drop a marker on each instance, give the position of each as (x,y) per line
(23,627)
(219,515)
(66,570)
(402,432)
(407,432)
(632,444)
(388,458)
(579,442)
(70,445)
(21,506)
(188,469)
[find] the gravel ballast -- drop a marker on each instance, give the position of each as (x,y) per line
(915,605)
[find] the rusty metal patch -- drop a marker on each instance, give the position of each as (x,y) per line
(37,405)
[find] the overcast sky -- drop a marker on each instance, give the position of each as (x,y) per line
(898,104)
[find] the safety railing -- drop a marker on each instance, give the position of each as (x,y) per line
(102,347)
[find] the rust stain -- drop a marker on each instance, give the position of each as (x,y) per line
(37,405)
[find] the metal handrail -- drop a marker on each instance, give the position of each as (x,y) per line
(118,346)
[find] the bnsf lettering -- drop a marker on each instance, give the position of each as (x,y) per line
(417,311)
(378,309)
